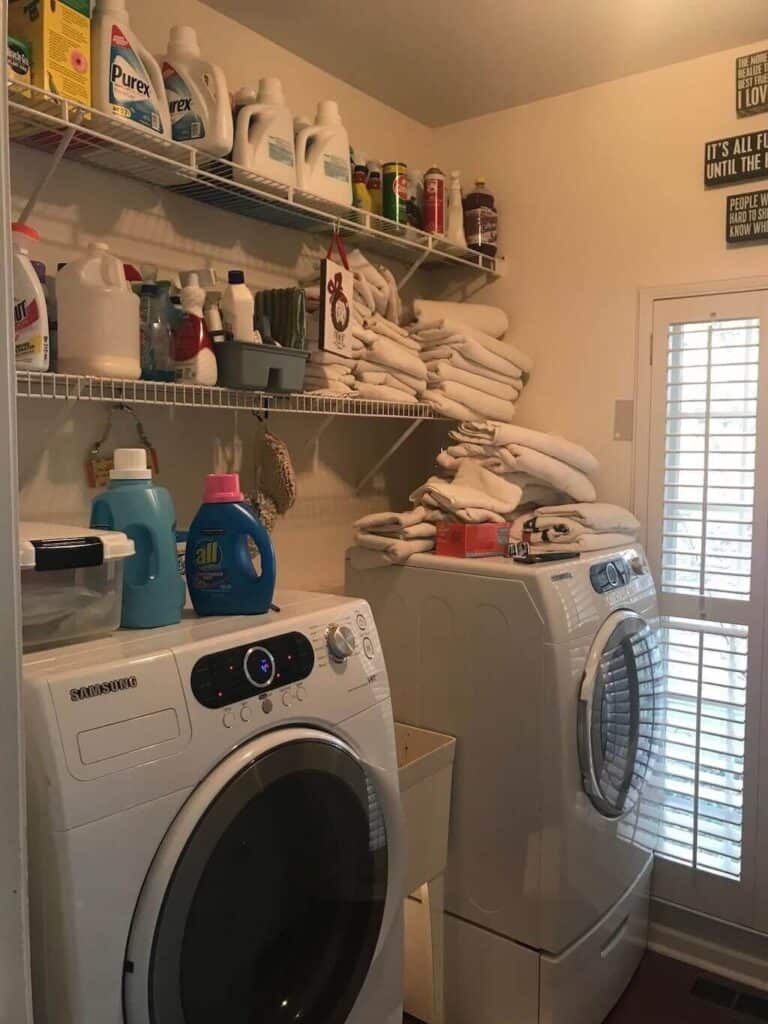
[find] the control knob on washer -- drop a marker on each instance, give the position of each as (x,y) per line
(341,642)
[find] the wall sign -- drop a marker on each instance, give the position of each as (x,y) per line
(747,218)
(736,159)
(752,83)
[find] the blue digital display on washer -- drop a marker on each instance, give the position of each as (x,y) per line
(227,677)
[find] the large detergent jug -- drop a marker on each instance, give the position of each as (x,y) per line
(322,156)
(264,136)
(98,317)
(153,590)
(220,573)
(30,316)
(127,80)
(198,98)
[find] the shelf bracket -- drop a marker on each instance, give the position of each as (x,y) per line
(412,270)
(409,430)
(318,433)
(56,158)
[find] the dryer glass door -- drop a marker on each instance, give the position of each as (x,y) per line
(617,712)
(274,907)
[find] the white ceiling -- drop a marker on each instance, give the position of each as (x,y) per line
(445,61)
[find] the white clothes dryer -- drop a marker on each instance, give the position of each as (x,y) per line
(549,676)
(214,823)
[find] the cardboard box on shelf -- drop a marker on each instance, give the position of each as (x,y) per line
(58,34)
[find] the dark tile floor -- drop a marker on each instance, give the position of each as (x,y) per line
(661,993)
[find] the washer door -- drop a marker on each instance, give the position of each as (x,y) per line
(266,898)
(617,712)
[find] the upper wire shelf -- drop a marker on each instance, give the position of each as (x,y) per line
(42,121)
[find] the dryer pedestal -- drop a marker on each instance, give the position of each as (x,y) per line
(491,979)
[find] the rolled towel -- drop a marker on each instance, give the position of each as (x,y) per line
(413,383)
(502,434)
(388,353)
(381,393)
(489,319)
(444,370)
(385,379)
(395,550)
(399,520)
(472,398)
(504,349)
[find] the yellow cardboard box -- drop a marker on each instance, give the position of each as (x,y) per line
(58,33)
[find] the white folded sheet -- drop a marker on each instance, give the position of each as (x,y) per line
(473,398)
(330,390)
(414,383)
(472,487)
(563,478)
(382,393)
(443,370)
(446,406)
(389,353)
(389,520)
(490,319)
(475,352)
(385,379)
(323,358)
(456,328)
(329,371)
(461,361)
(385,328)
(396,550)
(501,434)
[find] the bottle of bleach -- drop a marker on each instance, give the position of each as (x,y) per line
(220,574)
(153,590)
(127,80)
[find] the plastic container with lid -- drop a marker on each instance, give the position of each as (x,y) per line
(71,583)
(98,317)
(153,592)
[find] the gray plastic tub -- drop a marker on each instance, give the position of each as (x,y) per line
(260,367)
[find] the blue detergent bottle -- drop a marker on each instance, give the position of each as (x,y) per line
(153,590)
(220,574)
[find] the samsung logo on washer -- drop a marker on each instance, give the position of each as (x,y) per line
(101,689)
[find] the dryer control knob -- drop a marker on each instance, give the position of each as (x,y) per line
(341,642)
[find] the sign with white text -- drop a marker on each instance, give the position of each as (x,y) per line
(747,218)
(736,159)
(752,83)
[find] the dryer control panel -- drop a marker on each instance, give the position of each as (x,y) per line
(606,576)
(228,677)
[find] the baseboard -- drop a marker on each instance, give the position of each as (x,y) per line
(708,943)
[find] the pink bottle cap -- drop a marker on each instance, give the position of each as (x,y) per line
(221,487)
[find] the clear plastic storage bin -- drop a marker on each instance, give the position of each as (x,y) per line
(71,583)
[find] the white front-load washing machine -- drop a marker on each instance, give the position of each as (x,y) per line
(214,823)
(550,677)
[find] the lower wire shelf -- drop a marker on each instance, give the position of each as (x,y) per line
(72,387)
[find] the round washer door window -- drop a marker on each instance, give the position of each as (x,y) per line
(617,712)
(274,906)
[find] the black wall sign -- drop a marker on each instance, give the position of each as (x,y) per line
(752,84)
(739,158)
(747,218)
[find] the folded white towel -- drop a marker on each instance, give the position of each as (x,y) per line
(472,487)
(329,371)
(411,382)
(388,353)
(395,550)
(399,520)
(596,516)
(394,310)
(502,434)
(490,319)
(461,361)
(323,358)
(330,390)
(380,325)
(471,350)
(444,370)
(473,398)
(587,542)
(446,406)
(504,349)
(381,393)
(385,379)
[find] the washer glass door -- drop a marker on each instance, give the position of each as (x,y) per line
(617,712)
(274,907)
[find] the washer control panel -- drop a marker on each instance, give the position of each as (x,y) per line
(607,576)
(232,676)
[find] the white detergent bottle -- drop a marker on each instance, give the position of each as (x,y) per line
(98,326)
(322,156)
(237,309)
(198,98)
(31,334)
(454,231)
(264,136)
(127,80)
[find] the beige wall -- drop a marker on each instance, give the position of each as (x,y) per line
(142,225)
(600,193)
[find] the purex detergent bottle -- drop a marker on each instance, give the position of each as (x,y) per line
(220,573)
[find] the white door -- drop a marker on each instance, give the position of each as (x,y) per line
(706,519)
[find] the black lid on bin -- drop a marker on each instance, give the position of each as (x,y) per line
(236,277)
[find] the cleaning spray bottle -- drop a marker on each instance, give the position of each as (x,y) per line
(193,352)
(30,314)
(220,573)
(454,231)
(198,98)
(127,80)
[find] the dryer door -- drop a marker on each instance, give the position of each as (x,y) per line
(617,712)
(266,898)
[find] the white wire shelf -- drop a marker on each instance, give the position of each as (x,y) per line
(40,120)
(70,387)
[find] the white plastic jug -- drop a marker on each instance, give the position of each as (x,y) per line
(198,98)
(98,317)
(127,80)
(264,136)
(322,156)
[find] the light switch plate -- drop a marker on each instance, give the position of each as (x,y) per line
(624,420)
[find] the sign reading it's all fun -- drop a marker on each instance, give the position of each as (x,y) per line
(735,159)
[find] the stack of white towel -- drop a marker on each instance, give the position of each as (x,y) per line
(398,535)
(576,527)
(470,374)
(390,368)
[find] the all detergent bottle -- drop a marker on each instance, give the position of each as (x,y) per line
(153,590)
(127,80)
(264,136)
(322,156)
(198,98)
(220,573)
